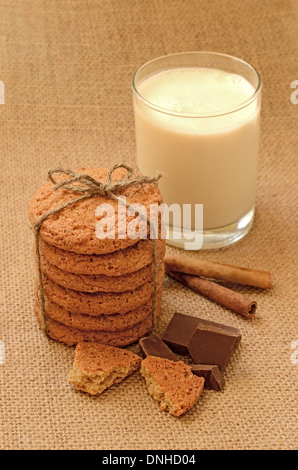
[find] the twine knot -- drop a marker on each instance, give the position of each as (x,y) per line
(89,186)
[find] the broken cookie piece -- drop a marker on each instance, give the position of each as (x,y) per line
(171,384)
(97,366)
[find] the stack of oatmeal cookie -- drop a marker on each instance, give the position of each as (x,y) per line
(92,287)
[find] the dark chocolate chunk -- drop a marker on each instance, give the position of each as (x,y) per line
(213,343)
(154,346)
(207,342)
(179,332)
(214,379)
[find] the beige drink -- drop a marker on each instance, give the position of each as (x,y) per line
(198,128)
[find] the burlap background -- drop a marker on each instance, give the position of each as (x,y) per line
(67,66)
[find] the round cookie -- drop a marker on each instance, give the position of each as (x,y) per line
(117,263)
(97,282)
(73,228)
(106,303)
(72,336)
(117,322)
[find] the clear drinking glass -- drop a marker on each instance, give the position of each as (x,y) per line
(206,157)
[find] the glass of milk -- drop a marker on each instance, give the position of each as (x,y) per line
(197,122)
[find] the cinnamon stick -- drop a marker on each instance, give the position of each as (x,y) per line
(222,295)
(223,272)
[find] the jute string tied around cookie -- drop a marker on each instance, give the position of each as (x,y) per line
(88,187)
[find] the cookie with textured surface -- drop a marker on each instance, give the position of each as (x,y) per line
(97,282)
(116,322)
(97,367)
(99,303)
(171,384)
(74,227)
(71,336)
(118,263)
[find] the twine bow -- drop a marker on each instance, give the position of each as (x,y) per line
(89,187)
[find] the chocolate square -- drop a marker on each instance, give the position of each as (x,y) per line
(179,332)
(154,346)
(213,343)
(214,379)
